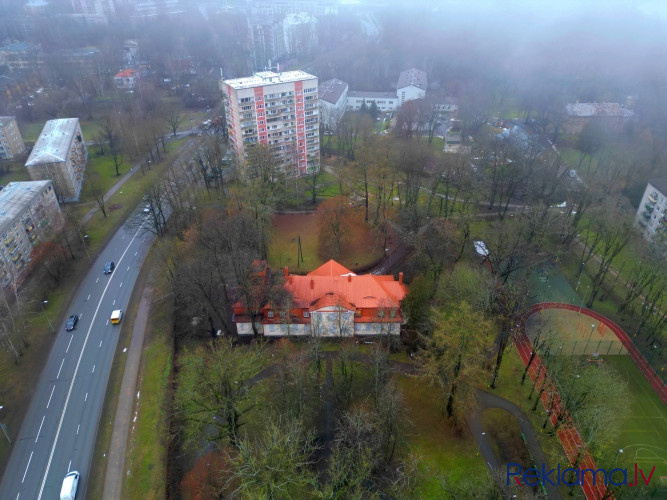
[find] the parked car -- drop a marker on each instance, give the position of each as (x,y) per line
(71,322)
(109,267)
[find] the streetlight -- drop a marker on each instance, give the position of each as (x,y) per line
(589,338)
(654,348)
(617,454)
(41,304)
(385,251)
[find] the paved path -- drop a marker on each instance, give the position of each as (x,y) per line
(488,400)
(121,425)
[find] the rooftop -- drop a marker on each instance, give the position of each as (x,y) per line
(590,109)
(6,119)
(371,95)
(53,143)
(413,77)
(14,198)
(332,90)
(126,73)
(263,78)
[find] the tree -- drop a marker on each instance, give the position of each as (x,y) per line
(333,218)
(276,464)
(174,118)
(97,191)
(437,247)
(216,391)
(453,356)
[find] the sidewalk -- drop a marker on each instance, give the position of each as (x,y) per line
(113,482)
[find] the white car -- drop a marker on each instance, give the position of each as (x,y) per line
(70,484)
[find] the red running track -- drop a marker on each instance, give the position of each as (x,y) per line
(652,377)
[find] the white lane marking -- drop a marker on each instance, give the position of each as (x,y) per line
(26,467)
(76,370)
(53,389)
(69,466)
(123,237)
(107,322)
(86,398)
(17,496)
(100,343)
(135,253)
(114,302)
(70,341)
(97,280)
(77,429)
(121,283)
(128,267)
(93,369)
(61,367)
(40,429)
(88,297)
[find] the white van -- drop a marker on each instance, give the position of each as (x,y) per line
(70,483)
(116,316)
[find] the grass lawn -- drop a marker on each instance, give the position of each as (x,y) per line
(504,432)
(13,171)
(432,437)
(643,439)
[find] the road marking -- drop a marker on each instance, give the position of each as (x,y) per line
(76,370)
(128,267)
(69,466)
(40,429)
(93,369)
(121,283)
(88,297)
(86,398)
(26,467)
(77,429)
(70,341)
(107,322)
(123,237)
(61,367)
(98,279)
(53,389)
(135,253)
(100,343)
(17,496)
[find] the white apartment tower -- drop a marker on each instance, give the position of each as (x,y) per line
(279,110)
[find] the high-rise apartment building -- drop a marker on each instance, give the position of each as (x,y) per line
(11,142)
(651,215)
(279,110)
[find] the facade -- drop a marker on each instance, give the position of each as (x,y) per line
(331,301)
(278,110)
(60,155)
(385,101)
(11,142)
(29,212)
(266,36)
(96,11)
(126,79)
(412,84)
(21,55)
(608,114)
(333,100)
(300,34)
(652,214)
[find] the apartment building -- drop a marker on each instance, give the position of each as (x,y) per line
(385,101)
(278,110)
(29,212)
(11,142)
(333,100)
(412,84)
(652,214)
(60,155)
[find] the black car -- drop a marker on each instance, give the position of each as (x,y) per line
(71,322)
(109,267)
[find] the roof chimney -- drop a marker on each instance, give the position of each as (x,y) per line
(400,278)
(312,284)
(349,278)
(286,272)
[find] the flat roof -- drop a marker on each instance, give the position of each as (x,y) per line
(6,119)
(263,78)
(53,143)
(15,197)
(371,95)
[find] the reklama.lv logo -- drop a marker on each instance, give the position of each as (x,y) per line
(533,476)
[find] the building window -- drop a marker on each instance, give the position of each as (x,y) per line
(269,314)
(282,314)
(306,314)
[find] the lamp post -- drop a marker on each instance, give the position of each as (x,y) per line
(388,250)
(41,304)
(654,348)
(617,454)
(583,298)
(589,338)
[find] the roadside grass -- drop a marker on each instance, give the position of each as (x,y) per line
(100,173)
(442,449)
(147,444)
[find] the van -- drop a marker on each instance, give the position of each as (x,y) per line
(70,484)
(116,316)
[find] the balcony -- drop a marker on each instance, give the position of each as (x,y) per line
(9,241)
(649,208)
(653,198)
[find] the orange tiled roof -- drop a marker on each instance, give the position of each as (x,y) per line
(126,73)
(331,268)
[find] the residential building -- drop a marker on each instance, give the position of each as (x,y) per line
(330,301)
(278,110)
(333,100)
(610,115)
(412,84)
(453,141)
(267,39)
(385,101)
(11,142)
(21,55)
(652,214)
(60,155)
(17,85)
(126,79)
(300,34)
(94,11)
(29,212)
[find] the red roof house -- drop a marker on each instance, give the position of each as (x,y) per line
(331,301)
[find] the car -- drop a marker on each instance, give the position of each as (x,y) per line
(147,209)
(116,316)
(71,322)
(573,173)
(109,267)
(70,485)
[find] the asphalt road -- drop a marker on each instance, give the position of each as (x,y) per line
(58,433)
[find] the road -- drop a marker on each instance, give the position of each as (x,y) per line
(59,431)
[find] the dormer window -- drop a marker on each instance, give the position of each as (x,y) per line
(306,314)
(357,313)
(269,314)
